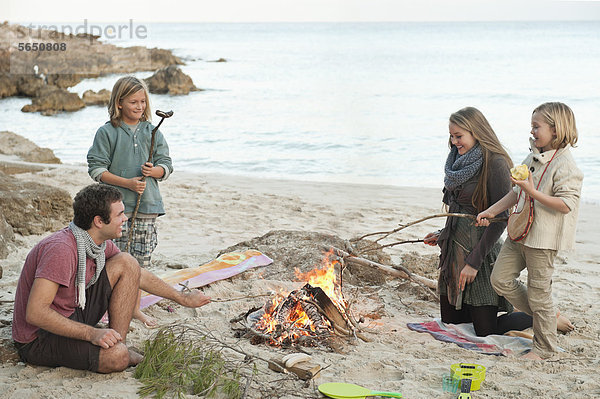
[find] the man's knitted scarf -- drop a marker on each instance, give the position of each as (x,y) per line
(460,168)
(86,247)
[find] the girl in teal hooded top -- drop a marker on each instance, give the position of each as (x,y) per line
(119,157)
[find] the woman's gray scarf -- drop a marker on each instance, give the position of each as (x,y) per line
(460,168)
(86,247)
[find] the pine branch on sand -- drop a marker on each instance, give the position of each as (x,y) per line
(182,360)
(176,365)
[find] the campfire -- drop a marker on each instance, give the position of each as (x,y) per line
(306,316)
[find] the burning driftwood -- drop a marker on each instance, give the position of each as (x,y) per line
(304,316)
(307,316)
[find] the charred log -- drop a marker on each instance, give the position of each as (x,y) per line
(305,317)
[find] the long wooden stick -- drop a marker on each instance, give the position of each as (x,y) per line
(403,272)
(139,198)
(437,215)
(377,247)
(240,298)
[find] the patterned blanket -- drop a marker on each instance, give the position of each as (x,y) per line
(464,336)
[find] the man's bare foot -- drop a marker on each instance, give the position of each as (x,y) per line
(149,322)
(563,324)
(531,356)
(193,299)
(134,358)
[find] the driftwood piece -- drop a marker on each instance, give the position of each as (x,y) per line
(328,308)
(243,316)
(377,247)
(404,273)
(318,307)
(150,155)
(437,215)
(304,370)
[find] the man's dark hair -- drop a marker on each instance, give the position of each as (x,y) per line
(94,200)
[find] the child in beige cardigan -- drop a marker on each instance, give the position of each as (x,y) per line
(555,186)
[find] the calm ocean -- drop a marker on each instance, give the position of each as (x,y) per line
(350,102)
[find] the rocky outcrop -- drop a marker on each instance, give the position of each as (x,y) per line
(39,74)
(90,97)
(29,85)
(28,207)
(6,237)
(51,99)
(8,86)
(34,208)
(13,144)
(86,56)
(22,85)
(161,58)
(64,81)
(170,80)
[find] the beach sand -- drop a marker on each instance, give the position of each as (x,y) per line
(209,213)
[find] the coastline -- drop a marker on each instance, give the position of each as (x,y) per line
(207,213)
(306,128)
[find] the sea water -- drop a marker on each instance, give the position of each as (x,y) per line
(349,102)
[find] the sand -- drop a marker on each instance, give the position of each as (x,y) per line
(208,213)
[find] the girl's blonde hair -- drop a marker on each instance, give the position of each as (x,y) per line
(125,87)
(473,121)
(561,118)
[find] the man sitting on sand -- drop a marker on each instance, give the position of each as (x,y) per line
(71,278)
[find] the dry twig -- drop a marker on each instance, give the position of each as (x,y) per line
(376,247)
(424,282)
(437,215)
(240,298)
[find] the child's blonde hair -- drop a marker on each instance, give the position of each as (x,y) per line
(561,118)
(125,87)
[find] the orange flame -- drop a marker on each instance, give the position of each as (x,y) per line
(326,278)
(298,323)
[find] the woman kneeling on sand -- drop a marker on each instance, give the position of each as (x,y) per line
(476,176)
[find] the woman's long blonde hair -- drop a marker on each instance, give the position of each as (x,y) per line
(125,87)
(473,121)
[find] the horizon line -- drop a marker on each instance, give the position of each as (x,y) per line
(595,19)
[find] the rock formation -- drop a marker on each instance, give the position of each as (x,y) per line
(34,208)
(51,99)
(38,74)
(28,207)
(13,144)
(90,97)
(6,237)
(170,80)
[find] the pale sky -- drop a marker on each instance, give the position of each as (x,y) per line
(45,11)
